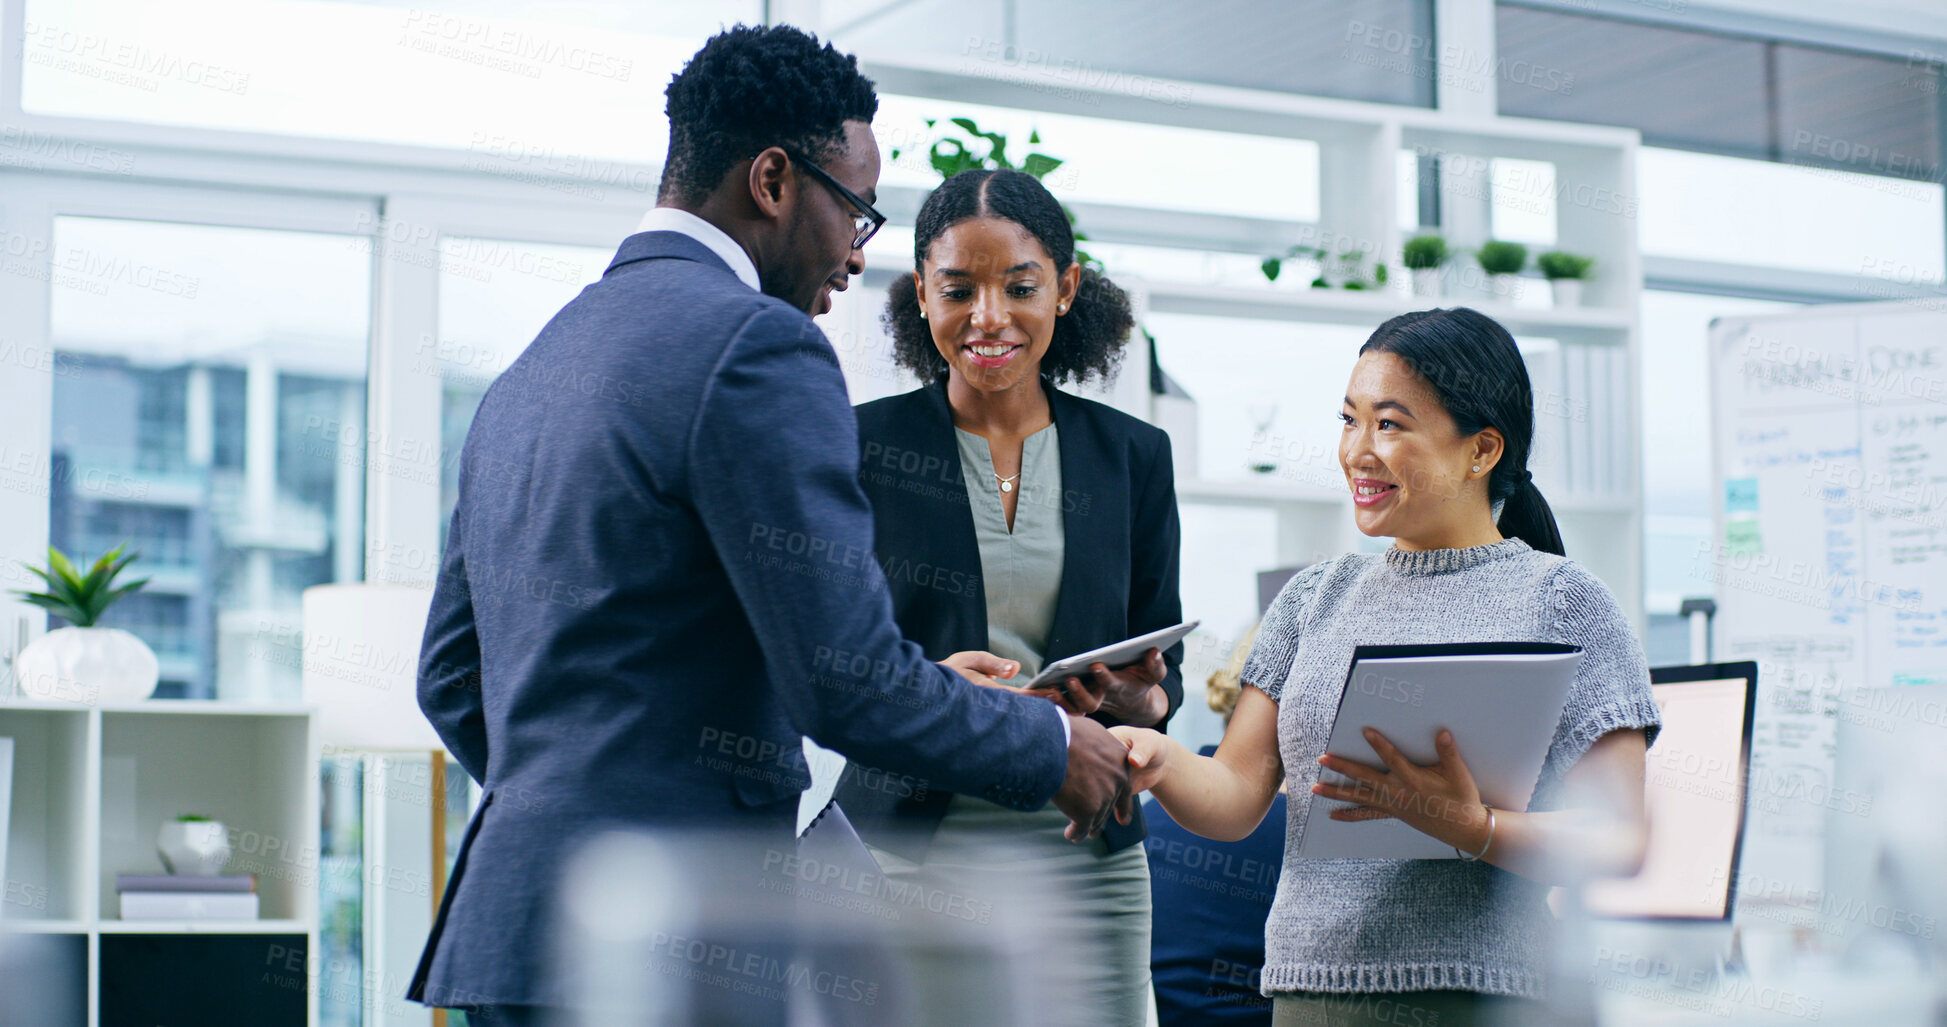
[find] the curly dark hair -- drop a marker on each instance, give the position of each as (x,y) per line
(1088,339)
(753,87)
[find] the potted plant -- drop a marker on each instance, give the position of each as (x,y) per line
(1307,256)
(1565,273)
(1423,255)
(1344,270)
(84,662)
(1502,261)
(193,845)
(1352,272)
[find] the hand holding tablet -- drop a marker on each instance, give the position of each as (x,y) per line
(1118,680)
(1121,654)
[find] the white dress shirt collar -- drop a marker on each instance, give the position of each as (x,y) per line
(671,219)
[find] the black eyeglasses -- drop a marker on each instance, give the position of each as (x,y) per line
(866,220)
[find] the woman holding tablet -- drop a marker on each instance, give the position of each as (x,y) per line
(1438,422)
(1016,518)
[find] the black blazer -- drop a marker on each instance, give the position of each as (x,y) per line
(1118,575)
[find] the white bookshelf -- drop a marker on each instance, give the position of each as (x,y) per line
(1369,309)
(92,785)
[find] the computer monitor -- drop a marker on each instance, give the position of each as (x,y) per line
(1694,785)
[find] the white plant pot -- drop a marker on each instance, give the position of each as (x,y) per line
(88,665)
(1568,292)
(193,848)
(1504,287)
(1426,281)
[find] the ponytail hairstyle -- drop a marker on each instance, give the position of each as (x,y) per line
(1088,339)
(1475,368)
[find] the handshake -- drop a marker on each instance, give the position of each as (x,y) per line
(1098,784)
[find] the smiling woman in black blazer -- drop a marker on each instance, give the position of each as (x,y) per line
(1015,518)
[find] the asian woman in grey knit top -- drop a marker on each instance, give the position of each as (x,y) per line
(1438,421)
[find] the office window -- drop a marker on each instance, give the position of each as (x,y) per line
(341,876)
(864,348)
(1268,393)
(1120,162)
(1711,92)
(495,296)
(1379,50)
(210,412)
(1224,547)
(890,249)
(1410,202)
(1520,195)
(1195,267)
(522,95)
(1756,212)
(1522,202)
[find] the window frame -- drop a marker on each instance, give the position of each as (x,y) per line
(34,201)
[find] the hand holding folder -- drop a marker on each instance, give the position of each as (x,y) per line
(1501,702)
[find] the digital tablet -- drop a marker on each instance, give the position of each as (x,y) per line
(1118,655)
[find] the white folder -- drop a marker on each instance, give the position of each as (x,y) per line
(1502,701)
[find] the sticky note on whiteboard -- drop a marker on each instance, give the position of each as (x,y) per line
(1741,538)
(1740,495)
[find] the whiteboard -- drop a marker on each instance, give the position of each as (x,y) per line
(1829,549)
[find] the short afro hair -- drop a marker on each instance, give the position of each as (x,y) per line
(1088,339)
(754,87)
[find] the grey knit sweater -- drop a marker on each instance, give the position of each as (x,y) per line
(1382,925)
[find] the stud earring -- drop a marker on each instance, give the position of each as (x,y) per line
(1061,308)
(922,317)
(1477,468)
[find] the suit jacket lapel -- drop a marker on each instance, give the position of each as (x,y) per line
(1083,474)
(960,544)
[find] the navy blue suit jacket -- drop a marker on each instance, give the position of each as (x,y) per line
(658,579)
(1118,575)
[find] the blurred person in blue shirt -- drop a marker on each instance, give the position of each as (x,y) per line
(1210,901)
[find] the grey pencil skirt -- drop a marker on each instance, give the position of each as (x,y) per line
(1073,920)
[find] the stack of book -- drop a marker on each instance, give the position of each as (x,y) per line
(172,897)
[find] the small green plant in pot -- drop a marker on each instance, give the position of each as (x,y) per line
(1274,266)
(1423,255)
(1502,261)
(193,845)
(1353,274)
(1344,270)
(1565,273)
(85,663)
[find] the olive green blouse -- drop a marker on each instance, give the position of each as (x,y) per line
(1020,569)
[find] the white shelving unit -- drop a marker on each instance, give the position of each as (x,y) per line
(1586,436)
(92,785)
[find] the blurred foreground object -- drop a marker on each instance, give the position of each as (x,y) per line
(720,928)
